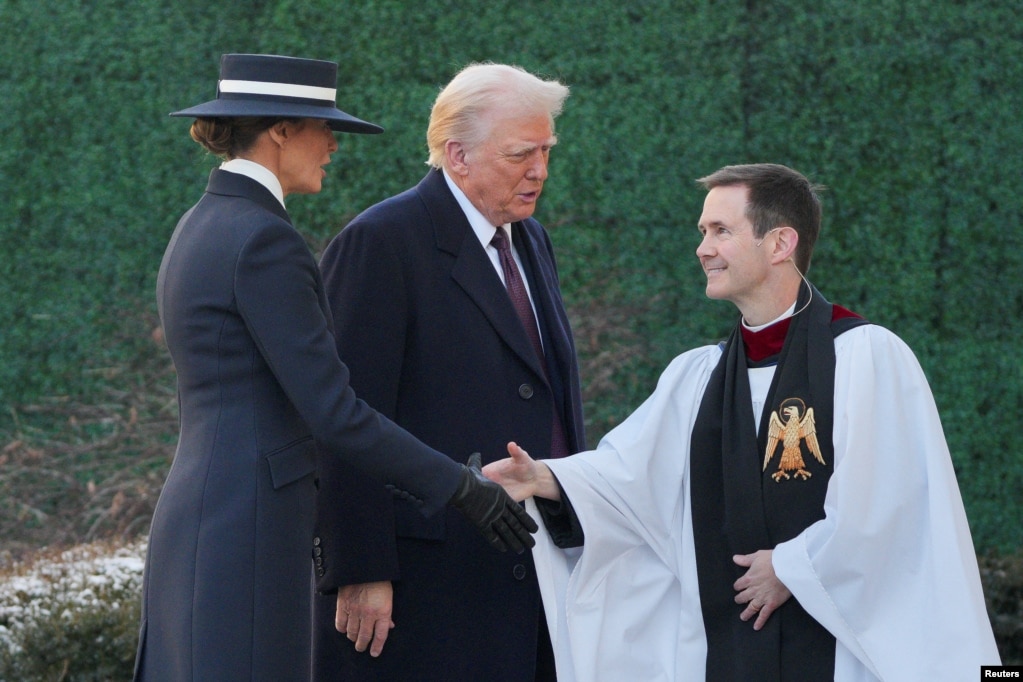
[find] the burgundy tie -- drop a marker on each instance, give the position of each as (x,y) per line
(520,300)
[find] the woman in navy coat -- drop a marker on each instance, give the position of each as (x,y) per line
(264,400)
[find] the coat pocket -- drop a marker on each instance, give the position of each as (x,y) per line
(292,462)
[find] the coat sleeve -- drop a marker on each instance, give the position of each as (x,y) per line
(891,570)
(279,294)
(355,514)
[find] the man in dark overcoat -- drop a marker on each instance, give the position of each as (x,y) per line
(423,290)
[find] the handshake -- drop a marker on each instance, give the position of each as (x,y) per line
(488,507)
(501,520)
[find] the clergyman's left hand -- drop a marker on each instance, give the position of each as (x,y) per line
(759,589)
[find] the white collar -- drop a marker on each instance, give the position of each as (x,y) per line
(787,313)
(257,172)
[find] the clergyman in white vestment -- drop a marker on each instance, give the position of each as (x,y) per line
(818,513)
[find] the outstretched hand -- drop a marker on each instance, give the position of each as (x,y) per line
(487,506)
(517,474)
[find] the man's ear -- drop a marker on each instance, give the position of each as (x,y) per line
(785,241)
(455,154)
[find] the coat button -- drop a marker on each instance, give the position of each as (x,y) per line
(525,391)
(320,572)
(317,551)
(316,541)
(519,571)
(319,561)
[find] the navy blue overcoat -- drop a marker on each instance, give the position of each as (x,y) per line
(432,340)
(265,404)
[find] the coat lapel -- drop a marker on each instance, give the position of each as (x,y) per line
(543,285)
(473,270)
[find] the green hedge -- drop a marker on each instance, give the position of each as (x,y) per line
(908,111)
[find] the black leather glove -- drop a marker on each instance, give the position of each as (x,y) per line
(501,520)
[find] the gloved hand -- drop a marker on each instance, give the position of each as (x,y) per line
(501,520)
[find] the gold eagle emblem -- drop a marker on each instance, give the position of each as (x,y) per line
(790,432)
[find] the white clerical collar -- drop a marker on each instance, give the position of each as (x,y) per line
(483,228)
(787,313)
(257,172)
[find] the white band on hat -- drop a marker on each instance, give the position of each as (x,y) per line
(278,89)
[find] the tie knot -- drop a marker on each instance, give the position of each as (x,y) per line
(499,241)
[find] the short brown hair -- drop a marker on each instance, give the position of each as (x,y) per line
(777,196)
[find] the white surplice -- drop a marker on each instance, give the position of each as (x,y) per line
(890,571)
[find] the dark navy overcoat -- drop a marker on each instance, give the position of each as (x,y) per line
(265,405)
(432,340)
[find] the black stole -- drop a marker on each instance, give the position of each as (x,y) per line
(739,508)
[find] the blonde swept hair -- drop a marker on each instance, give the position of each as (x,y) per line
(460,110)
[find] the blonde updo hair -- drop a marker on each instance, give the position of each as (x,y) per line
(459,113)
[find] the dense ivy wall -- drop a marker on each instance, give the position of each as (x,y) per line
(908,111)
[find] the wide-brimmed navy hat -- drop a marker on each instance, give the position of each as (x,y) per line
(271,85)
